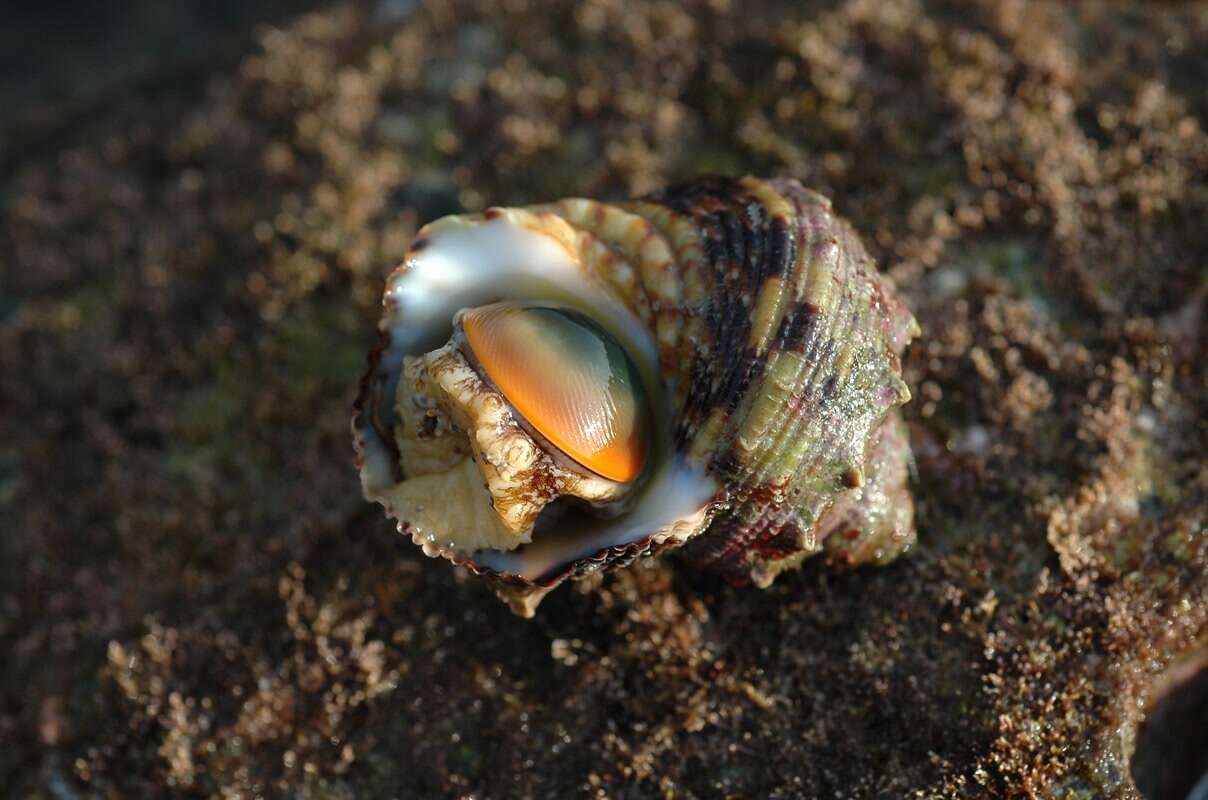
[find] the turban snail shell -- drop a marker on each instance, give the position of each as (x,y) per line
(564,388)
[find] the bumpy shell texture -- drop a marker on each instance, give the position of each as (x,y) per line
(766,337)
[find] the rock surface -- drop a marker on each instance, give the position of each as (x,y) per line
(194,598)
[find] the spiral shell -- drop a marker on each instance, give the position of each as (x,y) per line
(762,350)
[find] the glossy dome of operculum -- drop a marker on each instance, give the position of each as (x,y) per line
(569,379)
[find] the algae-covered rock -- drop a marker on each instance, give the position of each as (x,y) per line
(194,599)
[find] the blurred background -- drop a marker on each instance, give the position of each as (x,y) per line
(61,61)
(199,203)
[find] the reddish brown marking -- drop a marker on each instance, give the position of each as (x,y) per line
(780,544)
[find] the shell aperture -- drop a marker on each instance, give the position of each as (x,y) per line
(569,379)
(762,355)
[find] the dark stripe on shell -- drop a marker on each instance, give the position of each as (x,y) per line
(795,328)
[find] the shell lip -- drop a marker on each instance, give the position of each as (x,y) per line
(650,544)
(367,407)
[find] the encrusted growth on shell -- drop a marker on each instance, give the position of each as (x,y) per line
(770,346)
